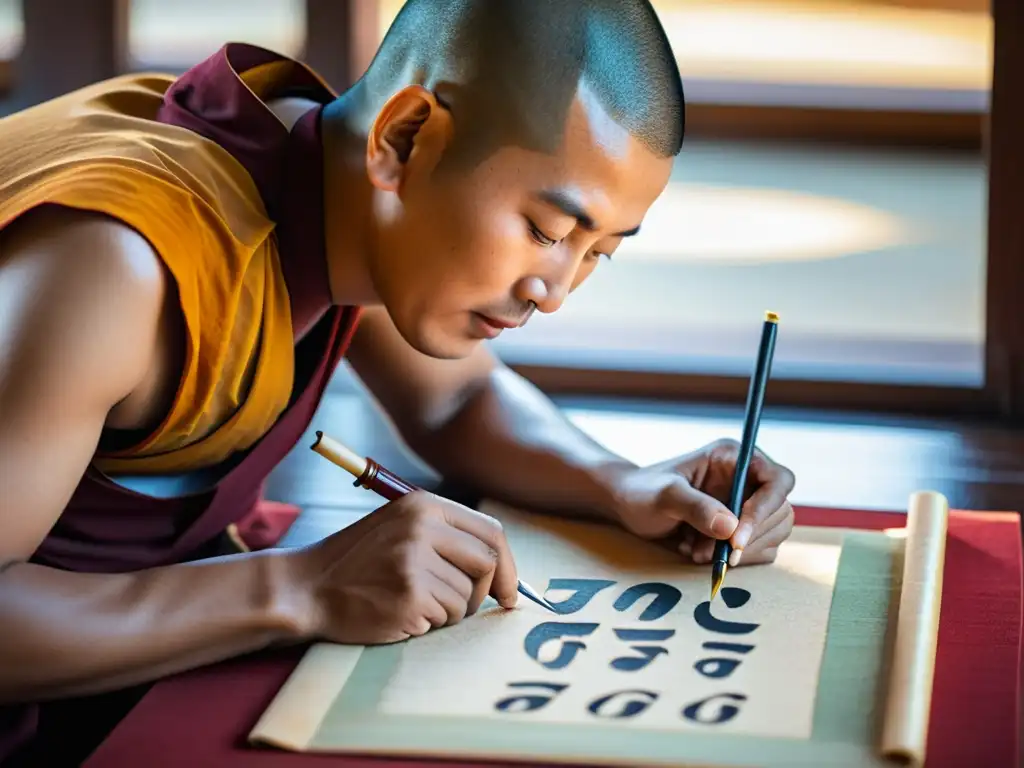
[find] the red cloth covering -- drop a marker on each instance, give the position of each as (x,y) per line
(267,524)
(201,718)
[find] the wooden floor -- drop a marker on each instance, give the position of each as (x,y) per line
(858,462)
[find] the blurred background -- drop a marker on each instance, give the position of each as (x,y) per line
(835,172)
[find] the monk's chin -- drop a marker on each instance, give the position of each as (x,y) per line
(443,343)
(453,349)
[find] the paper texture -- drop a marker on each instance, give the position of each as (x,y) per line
(905,732)
(636,644)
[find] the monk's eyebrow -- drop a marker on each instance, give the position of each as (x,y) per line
(568,205)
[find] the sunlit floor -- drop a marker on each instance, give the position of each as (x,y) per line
(875,260)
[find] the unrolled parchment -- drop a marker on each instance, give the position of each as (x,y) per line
(669,671)
(763,661)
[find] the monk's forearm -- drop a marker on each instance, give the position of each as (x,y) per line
(70,634)
(511,443)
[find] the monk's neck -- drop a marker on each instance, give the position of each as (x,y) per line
(347,205)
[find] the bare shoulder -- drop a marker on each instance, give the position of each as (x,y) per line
(80,305)
(60,241)
(83,286)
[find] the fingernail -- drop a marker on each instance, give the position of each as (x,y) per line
(723,525)
(734,558)
(742,536)
(686,548)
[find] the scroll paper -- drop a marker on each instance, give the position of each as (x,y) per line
(636,643)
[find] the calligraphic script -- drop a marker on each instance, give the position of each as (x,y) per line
(635,643)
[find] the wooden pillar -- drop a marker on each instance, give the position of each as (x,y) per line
(68,45)
(1004,345)
(341,39)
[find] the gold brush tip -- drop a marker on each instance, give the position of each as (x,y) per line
(771,317)
(717,577)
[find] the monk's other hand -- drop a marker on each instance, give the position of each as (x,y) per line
(686,497)
(417,563)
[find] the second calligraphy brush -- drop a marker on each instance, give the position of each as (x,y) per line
(372,476)
(751,422)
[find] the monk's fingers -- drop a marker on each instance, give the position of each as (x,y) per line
(764,546)
(689,536)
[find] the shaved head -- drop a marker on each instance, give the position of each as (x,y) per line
(509,70)
(503,149)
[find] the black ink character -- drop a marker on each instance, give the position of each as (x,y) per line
(725,712)
(666,597)
(648,652)
(553,631)
(734,597)
(583,591)
(721,666)
(623,703)
(729,647)
(528,703)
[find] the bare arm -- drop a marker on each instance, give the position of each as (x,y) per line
(483,426)
(80,302)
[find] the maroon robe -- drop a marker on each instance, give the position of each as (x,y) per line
(107,528)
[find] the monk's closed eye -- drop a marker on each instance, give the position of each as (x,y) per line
(539,236)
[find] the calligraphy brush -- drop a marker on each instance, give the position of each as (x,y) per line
(372,476)
(751,422)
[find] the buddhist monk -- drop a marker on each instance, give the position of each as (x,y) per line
(185,261)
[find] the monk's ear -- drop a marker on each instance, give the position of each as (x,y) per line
(411,126)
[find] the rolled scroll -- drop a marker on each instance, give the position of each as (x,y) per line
(912,667)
